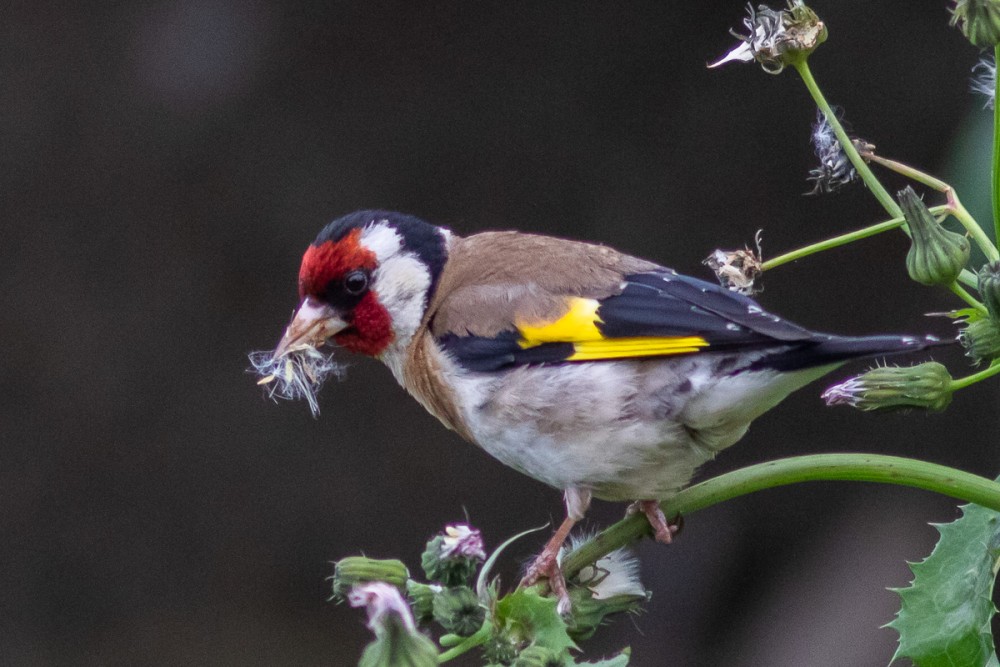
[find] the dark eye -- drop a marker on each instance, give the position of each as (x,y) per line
(356,282)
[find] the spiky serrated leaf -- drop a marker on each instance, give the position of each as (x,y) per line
(945,615)
(620,660)
(527,617)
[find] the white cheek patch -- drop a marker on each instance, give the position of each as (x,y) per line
(401,283)
(382,240)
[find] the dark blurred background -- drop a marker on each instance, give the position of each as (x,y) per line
(165,163)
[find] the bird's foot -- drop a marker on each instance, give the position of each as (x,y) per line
(663,530)
(546,566)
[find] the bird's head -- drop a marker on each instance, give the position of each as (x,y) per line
(364,285)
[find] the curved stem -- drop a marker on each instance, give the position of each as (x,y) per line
(976,232)
(845,467)
(996,150)
(964,295)
(955,206)
(876,188)
(962,383)
(469,643)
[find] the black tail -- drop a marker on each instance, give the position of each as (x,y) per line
(822,350)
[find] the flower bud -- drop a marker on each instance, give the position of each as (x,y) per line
(452,558)
(354,570)
(458,611)
(589,612)
(981,340)
(500,649)
(989,288)
(979,21)
(539,656)
(937,255)
(421,598)
(397,643)
(926,385)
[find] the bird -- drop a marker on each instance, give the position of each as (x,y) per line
(600,374)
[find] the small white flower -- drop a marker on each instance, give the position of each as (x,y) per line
(383,602)
(397,640)
(614,574)
(984,80)
(462,540)
(849,392)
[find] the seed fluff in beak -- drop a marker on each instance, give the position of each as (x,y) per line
(294,373)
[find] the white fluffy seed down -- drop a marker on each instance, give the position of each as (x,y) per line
(298,373)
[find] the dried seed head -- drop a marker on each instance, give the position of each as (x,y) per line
(984,80)
(777,38)
(738,270)
(835,169)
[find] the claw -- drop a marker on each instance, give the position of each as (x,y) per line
(663,530)
(546,566)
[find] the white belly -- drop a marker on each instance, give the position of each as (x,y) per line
(623,429)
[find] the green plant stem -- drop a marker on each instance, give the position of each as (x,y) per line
(845,467)
(469,643)
(956,208)
(962,383)
(996,150)
(836,241)
(964,295)
(876,188)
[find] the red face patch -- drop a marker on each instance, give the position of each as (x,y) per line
(371,326)
(371,330)
(328,261)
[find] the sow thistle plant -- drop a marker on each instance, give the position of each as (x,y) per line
(945,613)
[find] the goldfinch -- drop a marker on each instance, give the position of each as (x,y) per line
(599,374)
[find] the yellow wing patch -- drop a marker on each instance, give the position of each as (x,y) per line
(578,325)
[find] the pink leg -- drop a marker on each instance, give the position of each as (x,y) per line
(546,565)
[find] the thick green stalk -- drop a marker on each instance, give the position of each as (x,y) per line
(845,467)
(996,148)
(883,196)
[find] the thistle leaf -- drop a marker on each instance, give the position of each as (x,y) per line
(527,617)
(945,615)
(620,660)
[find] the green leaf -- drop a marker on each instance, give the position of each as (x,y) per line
(620,660)
(945,615)
(526,617)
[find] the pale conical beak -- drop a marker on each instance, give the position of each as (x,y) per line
(311,326)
